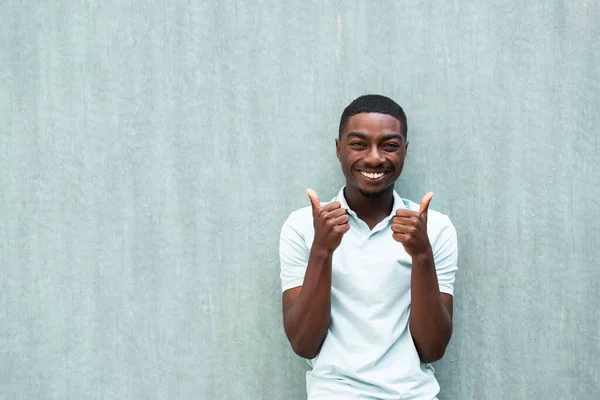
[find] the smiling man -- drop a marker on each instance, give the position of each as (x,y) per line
(367,278)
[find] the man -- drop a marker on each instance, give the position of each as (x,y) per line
(368,278)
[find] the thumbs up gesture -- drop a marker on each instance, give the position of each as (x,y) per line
(410,228)
(330,222)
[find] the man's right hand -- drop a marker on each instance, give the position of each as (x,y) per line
(330,222)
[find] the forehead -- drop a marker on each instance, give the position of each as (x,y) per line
(373,124)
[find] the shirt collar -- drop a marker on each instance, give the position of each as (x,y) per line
(398,203)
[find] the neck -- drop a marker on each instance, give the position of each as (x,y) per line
(372,210)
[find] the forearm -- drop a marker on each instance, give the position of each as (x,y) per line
(430,321)
(307,322)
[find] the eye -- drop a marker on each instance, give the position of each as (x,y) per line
(391,145)
(356,144)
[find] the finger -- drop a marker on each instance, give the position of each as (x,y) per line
(425,205)
(341,220)
(414,216)
(400,237)
(338,212)
(407,229)
(412,220)
(342,228)
(405,212)
(334,205)
(314,199)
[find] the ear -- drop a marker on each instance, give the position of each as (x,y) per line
(338,145)
(406,147)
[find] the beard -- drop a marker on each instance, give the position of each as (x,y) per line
(371,195)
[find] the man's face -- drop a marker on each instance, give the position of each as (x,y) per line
(371,150)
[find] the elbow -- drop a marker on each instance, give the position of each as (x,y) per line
(305,353)
(305,345)
(304,350)
(432,348)
(432,354)
(305,341)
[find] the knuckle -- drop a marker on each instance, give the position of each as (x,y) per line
(334,206)
(340,229)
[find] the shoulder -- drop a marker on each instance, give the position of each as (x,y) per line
(299,219)
(302,218)
(297,231)
(438,223)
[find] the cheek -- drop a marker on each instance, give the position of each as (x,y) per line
(399,162)
(400,167)
(346,161)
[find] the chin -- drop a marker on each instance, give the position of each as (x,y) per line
(371,193)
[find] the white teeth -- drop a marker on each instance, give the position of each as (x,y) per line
(373,175)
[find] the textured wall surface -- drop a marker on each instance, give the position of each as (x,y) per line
(150,151)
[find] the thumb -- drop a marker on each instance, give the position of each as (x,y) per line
(314,200)
(425,205)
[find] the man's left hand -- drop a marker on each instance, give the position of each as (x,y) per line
(410,228)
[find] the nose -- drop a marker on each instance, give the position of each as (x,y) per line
(374,157)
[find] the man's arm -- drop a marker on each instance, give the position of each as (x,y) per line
(307,308)
(431,311)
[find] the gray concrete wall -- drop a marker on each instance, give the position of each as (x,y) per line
(150,152)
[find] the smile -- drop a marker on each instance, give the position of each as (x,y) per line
(373,175)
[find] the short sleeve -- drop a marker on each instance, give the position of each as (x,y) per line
(445,256)
(293,256)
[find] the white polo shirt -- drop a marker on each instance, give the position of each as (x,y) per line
(368,352)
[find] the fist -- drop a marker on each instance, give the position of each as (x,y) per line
(410,228)
(330,222)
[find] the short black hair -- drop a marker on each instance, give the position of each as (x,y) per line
(374,103)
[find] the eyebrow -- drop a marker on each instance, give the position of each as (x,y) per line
(393,136)
(356,134)
(389,136)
